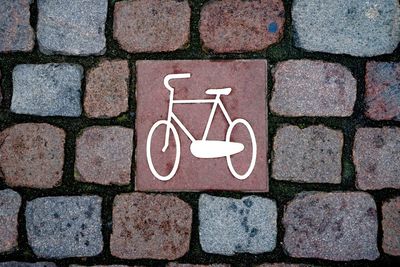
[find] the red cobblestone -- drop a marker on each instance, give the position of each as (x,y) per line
(339,226)
(32,155)
(16,33)
(106,92)
(10,203)
(152,25)
(150,226)
(382,90)
(241,26)
(391,226)
(375,155)
(313,88)
(103,155)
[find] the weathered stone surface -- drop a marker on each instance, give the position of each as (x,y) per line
(241,26)
(284,265)
(247,100)
(16,33)
(310,155)
(391,226)
(104,155)
(26,264)
(313,88)
(339,226)
(358,28)
(47,90)
(74,27)
(382,94)
(32,155)
(229,226)
(150,226)
(376,158)
(10,202)
(152,25)
(106,92)
(74,265)
(64,227)
(175,264)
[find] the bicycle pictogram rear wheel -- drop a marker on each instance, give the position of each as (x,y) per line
(250,131)
(151,143)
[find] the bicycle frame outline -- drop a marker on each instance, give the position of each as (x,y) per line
(171,115)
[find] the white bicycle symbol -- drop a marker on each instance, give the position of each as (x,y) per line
(201,148)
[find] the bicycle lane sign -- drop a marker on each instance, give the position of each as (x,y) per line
(201,125)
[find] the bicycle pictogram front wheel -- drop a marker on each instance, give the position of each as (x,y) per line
(251,141)
(164,169)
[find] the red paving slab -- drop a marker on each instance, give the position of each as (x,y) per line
(248,80)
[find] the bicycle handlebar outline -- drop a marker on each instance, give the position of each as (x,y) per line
(174,76)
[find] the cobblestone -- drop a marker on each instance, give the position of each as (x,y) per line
(152,25)
(47,90)
(241,26)
(391,226)
(382,90)
(104,154)
(74,27)
(64,227)
(284,265)
(229,226)
(16,33)
(106,92)
(26,264)
(339,226)
(10,203)
(150,226)
(174,264)
(357,28)
(310,155)
(313,88)
(74,265)
(32,155)
(376,158)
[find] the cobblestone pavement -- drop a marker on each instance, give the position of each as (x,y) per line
(74,97)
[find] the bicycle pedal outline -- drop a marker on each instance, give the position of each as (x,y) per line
(201,148)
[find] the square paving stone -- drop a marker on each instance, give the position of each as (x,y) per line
(354,27)
(27,264)
(47,90)
(151,25)
(229,226)
(338,226)
(16,33)
(106,93)
(32,155)
(313,88)
(10,203)
(64,227)
(310,155)
(376,158)
(241,26)
(150,226)
(202,165)
(391,226)
(104,155)
(73,27)
(382,90)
